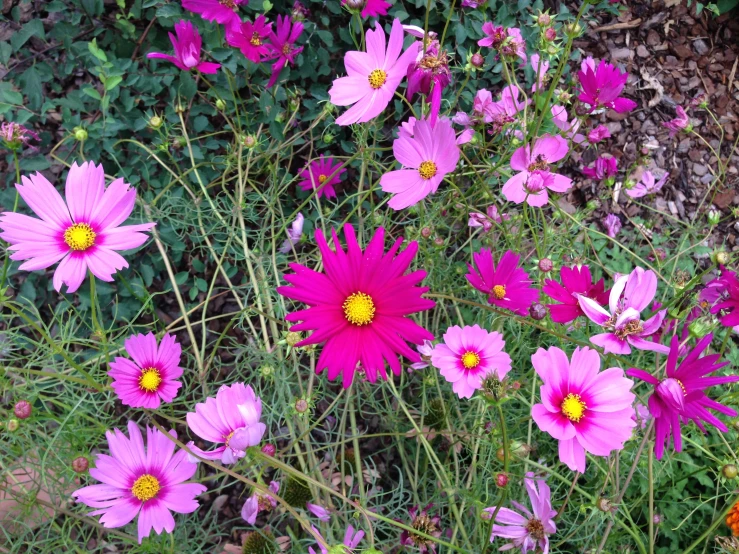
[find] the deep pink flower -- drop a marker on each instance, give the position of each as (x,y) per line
(187,50)
(534,177)
(14,135)
(602,86)
(681,396)
(429,75)
(486,220)
(293,234)
(728,302)
(425,522)
(358,306)
(507,285)
(352,539)
(148,481)
(373,76)
(585,409)
(85,233)
(299,11)
(679,123)
(508,42)
(602,168)
(250,38)
(151,378)
(570,128)
(231,419)
(527,530)
(260,502)
(427,157)
(373,8)
(647,185)
(220,11)
(598,134)
(468,355)
(612,225)
(575,280)
(322,174)
(540,68)
(630,295)
(282,45)
(407,127)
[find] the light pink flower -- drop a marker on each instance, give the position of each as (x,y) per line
(647,185)
(570,128)
(84,233)
(585,409)
(151,378)
(373,76)
(612,224)
(231,419)
(468,355)
(220,11)
(540,68)
(679,123)
(187,49)
(507,41)
(424,351)
(293,234)
(486,220)
(427,158)
(319,511)
(260,502)
(250,38)
(507,285)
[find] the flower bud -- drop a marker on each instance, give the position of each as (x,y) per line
(179,108)
(477,60)
(155,122)
(537,311)
(550,34)
(328,138)
(546,265)
(500,454)
(355,5)
(520,449)
(657,519)
(439,242)
(249,141)
(269,450)
(80,134)
(293,338)
(543,20)
(426,232)
(604,504)
(266,370)
(720,257)
(12,425)
(573,29)
(22,409)
(713,216)
(301,405)
(501,480)
(220,105)
(730,471)
(80,464)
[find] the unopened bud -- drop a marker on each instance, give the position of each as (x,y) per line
(543,20)
(249,141)
(550,34)
(355,5)
(80,464)
(269,450)
(293,338)
(699,328)
(155,122)
(301,405)
(477,60)
(80,134)
(439,242)
(179,108)
(730,471)
(22,409)
(220,105)
(546,265)
(604,505)
(501,480)
(426,232)
(12,425)
(721,257)
(266,370)
(537,311)
(713,216)
(572,29)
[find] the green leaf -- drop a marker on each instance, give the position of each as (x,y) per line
(92,92)
(169,10)
(35,163)
(33,28)
(5,51)
(181,277)
(725,5)
(92,46)
(201,284)
(113,82)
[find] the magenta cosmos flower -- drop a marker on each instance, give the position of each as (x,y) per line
(612,225)
(585,409)
(352,538)
(358,307)
(630,295)
(602,168)
(151,378)
(682,121)
(322,174)
(230,419)
(84,233)
(427,157)
(260,502)
(602,86)
(727,299)
(527,530)
(469,355)
(147,480)
(598,134)
(681,396)
(429,74)
(372,8)
(647,185)
(507,285)
(282,45)
(250,38)
(187,50)
(508,42)
(372,76)
(535,178)
(575,280)
(220,11)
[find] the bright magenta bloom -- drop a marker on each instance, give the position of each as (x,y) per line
(151,378)
(508,42)
(575,280)
(602,86)
(647,185)
(373,8)
(603,167)
(282,45)
(250,38)
(507,286)
(140,480)
(358,307)
(429,74)
(187,49)
(84,233)
(220,11)
(682,397)
(727,299)
(373,75)
(682,121)
(585,409)
(320,176)
(428,156)
(534,177)
(468,355)
(598,134)
(231,419)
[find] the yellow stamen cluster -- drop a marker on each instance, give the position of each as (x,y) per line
(146,487)
(427,169)
(255,40)
(499,292)
(150,379)
(377,78)
(573,408)
(79,236)
(359,309)
(470,360)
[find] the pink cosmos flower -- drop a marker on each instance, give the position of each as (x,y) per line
(231,419)
(540,68)
(507,285)
(187,49)
(428,156)
(319,511)
(603,167)
(508,42)
(534,177)
(679,123)
(322,175)
(527,530)
(575,280)
(293,234)
(486,220)
(612,225)
(647,185)
(406,130)
(260,502)
(469,355)
(250,38)
(681,396)
(630,295)
(602,86)
(424,351)
(358,305)
(352,539)
(220,11)
(151,378)
(373,8)
(282,45)
(585,409)
(84,233)
(14,135)
(728,301)
(570,128)
(373,75)
(598,134)
(148,481)
(429,75)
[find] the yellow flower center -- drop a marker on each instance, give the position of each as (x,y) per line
(470,360)
(377,78)
(359,309)
(79,236)
(150,379)
(322,178)
(427,169)
(255,40)
(146,487)
(499,292)
(573,407)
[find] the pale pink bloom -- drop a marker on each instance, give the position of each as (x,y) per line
(293,234)
(486,220)
(260,502)
(406,130)
(585,409)
(84,232)
(151,378)
(570,128)
(647,185)
(14,135)
(507,41)
(534,177)
(187,49)
(679,123)
(373,76)
(598,134)
(220,11)
(230,419)
(630,295)
(320,512)
(418,32)
(468,355)
(509,103)
(424,350)
(612,224)
(427,158)
(642,416)
(540,68)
